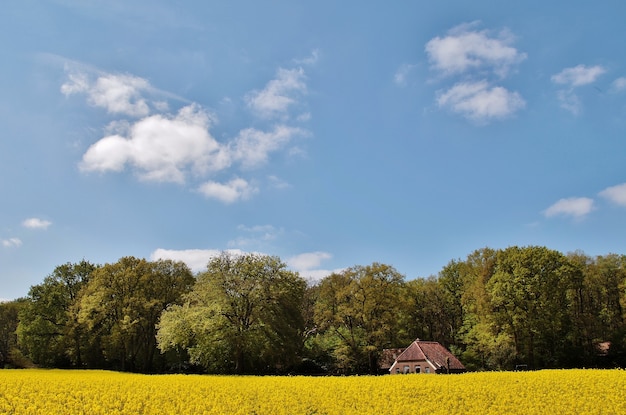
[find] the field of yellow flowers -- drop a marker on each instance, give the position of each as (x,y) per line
(101,392)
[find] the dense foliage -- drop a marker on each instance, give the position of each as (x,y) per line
(51,392)
(496,309)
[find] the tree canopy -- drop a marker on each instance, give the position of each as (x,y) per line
(495,309)
(242,315)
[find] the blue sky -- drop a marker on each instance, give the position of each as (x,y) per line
(327,133)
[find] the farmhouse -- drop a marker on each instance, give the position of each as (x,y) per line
(421,357)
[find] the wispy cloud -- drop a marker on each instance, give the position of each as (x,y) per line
(252,147)
(401,76)
(619,85)
(576,207)
(309,60)
(160,146)
(36,223)
(616,194)
(118,94)
(257,236)
(11,243)
(279,94)
(229,192)
(578,75)
(479,60)
(572,78)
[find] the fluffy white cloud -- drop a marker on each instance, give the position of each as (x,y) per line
(117,93)
(577,207)
(232,191)
(475,57)
(464,49)
(36,223)
(11,242)
(308,260)
(164,147)
(279,94)
(616,194)
(480,102)
(161,148)
(196,259)
(578,75)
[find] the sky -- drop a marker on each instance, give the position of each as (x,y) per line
(329,134)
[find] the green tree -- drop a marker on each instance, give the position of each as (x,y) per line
(49,330)
(9,320)
(358,310)
(243,315)
(122,304)
(529,296)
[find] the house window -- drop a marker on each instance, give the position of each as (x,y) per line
(418,369)
(397,370)
(406,369)
(426,370)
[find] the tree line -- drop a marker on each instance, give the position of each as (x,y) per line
(248,313)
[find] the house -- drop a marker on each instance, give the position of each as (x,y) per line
(421,357)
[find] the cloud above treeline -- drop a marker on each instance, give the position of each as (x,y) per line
(579,207)
(159,145)
(477,62)
(308,265)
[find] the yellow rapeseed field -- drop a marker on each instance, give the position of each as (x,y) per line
(101,392)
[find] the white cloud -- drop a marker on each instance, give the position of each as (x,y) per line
(252,147)
(616,194)
(309,60)
(578,75)
(11,243)
(480,102)
(117,93)
(577,207)
(475,57)
(307,265)
(464,49)
(572,78)
(233,191)
(308,260)
(164,147)
(619,85)
(196,259)
(161,148)
(36,223)
(279,94)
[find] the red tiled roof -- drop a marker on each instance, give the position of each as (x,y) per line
(434,352)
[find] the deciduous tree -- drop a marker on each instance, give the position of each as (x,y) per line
(243,315)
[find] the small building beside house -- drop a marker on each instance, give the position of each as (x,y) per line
(421,357)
